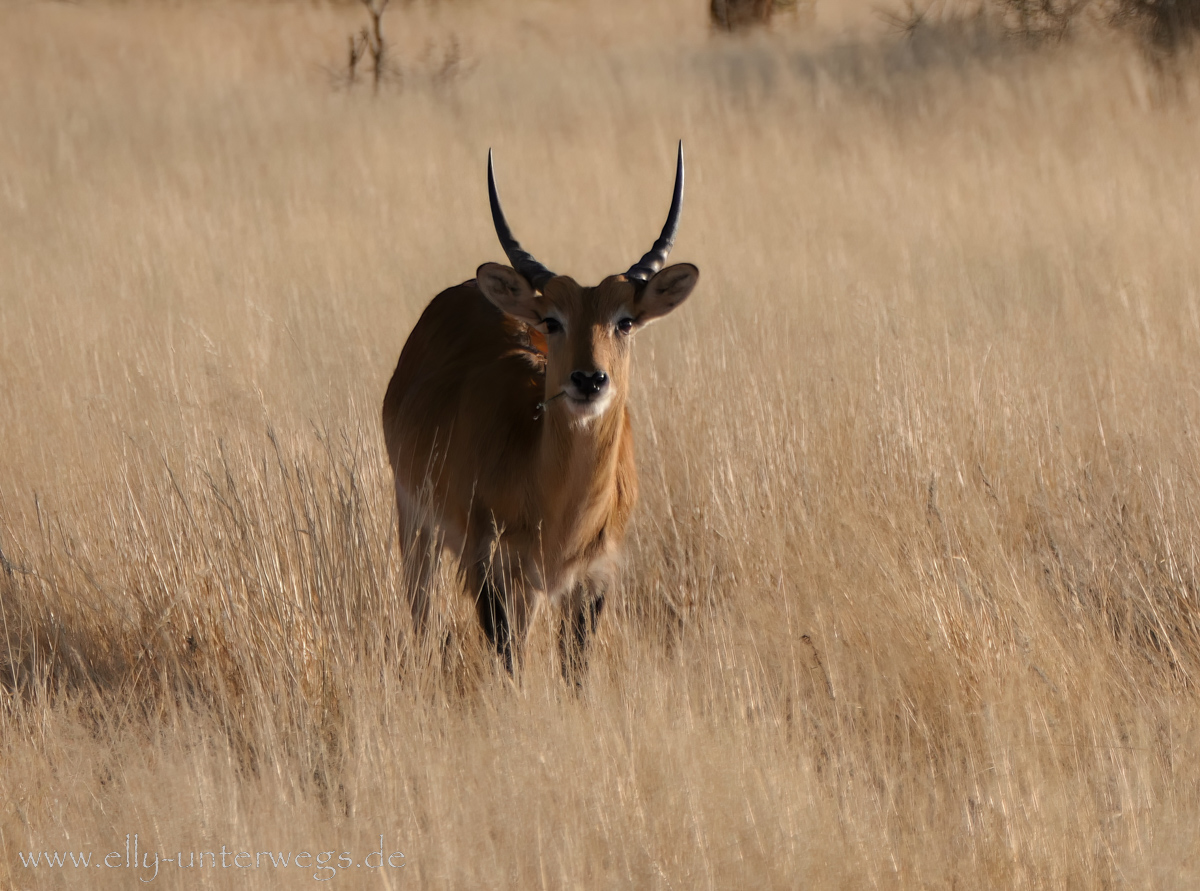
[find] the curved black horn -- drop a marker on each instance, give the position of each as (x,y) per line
(657,256)
(535,273)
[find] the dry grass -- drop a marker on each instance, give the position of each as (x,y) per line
(912,596)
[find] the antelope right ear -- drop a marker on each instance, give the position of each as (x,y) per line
(509,291)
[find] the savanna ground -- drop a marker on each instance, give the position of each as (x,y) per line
(911,598)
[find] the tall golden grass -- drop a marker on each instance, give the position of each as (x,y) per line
(911,599)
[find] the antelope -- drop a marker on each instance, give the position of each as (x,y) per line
(509,436)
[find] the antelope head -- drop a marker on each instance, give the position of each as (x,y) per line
(587,329)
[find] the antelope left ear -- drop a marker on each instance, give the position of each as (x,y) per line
(665,291)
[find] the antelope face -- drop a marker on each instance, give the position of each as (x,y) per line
(588,330)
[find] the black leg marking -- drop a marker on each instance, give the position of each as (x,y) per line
(494,619)
(573,637)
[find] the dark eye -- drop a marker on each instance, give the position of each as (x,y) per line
(625,326)
(553,326)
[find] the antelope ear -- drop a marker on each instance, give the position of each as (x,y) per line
(510,292)
(665,291)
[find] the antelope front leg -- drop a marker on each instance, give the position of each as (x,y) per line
(581,612)
(503,611)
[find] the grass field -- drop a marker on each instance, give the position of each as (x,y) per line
(911,599)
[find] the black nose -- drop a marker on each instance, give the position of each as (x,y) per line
(589,384)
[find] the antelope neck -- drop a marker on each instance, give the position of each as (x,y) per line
(580,459)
